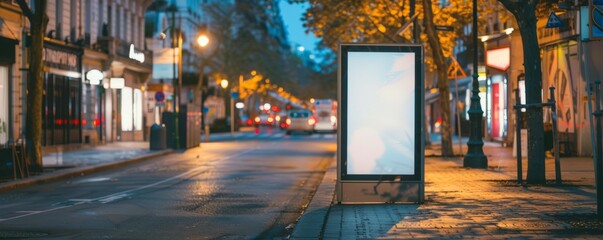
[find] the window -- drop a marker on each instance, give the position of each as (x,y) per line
(58,18)
(4,104)
(126,109)
(137,110)
(131,109)
(73,21)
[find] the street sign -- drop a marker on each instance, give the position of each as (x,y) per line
(159,96)
(234,95)
(597,19)
(554,21)
(444,28)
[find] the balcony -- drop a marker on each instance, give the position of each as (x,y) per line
(125,52)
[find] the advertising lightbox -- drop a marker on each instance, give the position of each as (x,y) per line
(381,97)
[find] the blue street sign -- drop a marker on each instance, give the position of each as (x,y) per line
(205,109)
(597,17)
(554,21)
(159,96)
(234,95)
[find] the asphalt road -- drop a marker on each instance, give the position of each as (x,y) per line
(250,186)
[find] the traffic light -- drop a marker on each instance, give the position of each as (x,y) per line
(288,106)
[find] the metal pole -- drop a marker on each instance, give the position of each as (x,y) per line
(178,92)
(590,105)
(555,135)
(175,79)
(599,161)
(456,108)
(414,21)
(518,123)
(232,120)
(475,155)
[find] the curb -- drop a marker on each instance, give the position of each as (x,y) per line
(76,171)
(312,222)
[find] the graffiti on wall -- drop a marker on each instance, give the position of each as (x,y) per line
(559,76)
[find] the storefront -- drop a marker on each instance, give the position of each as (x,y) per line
(130,108)
(61,103)
(504,64)
(7,61)
(564,62)
(125,90)
(93,92)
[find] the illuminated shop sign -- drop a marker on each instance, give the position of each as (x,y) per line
(499,58)
(94,76)
(61,57)
(136,55)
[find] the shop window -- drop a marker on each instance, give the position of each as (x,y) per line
(61,110)
(126,109)
(4,105)
(137,110)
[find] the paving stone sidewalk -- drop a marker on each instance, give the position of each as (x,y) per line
(60,164)
(467,203)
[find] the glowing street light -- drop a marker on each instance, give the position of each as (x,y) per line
(224,83)
(203,40)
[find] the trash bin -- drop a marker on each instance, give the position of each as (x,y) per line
(157,139)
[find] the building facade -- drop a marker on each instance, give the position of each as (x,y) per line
(571,63)
(11,83)
(95,68)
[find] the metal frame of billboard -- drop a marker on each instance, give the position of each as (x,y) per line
(390,187)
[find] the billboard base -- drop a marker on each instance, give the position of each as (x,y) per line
(380,192)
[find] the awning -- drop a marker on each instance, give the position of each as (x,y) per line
(7,48)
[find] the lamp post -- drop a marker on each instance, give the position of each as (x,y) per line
(475,157)
(203,41)
(224,85)
(176,36)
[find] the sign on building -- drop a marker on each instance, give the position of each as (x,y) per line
(596,26)
(380,135)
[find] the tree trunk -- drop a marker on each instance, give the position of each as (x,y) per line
(35,90)
(525,13)
(536,157)
(440,62)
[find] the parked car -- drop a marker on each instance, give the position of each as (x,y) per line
(300,121)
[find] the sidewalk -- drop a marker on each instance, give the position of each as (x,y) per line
(466,203)
(64,164)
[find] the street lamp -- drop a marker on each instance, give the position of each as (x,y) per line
(203,40)
(177,73)
(475,157)
(176,36)
(224,85)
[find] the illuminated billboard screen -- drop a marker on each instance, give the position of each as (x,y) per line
(381,89)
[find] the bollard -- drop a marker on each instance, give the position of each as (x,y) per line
(518,127)
(599,148)
(555,135)
(206,133)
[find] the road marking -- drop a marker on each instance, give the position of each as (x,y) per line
(113,198)
(37,212)
(27,211)
(122,194)
(97,179)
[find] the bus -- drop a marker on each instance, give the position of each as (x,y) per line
(325,113)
